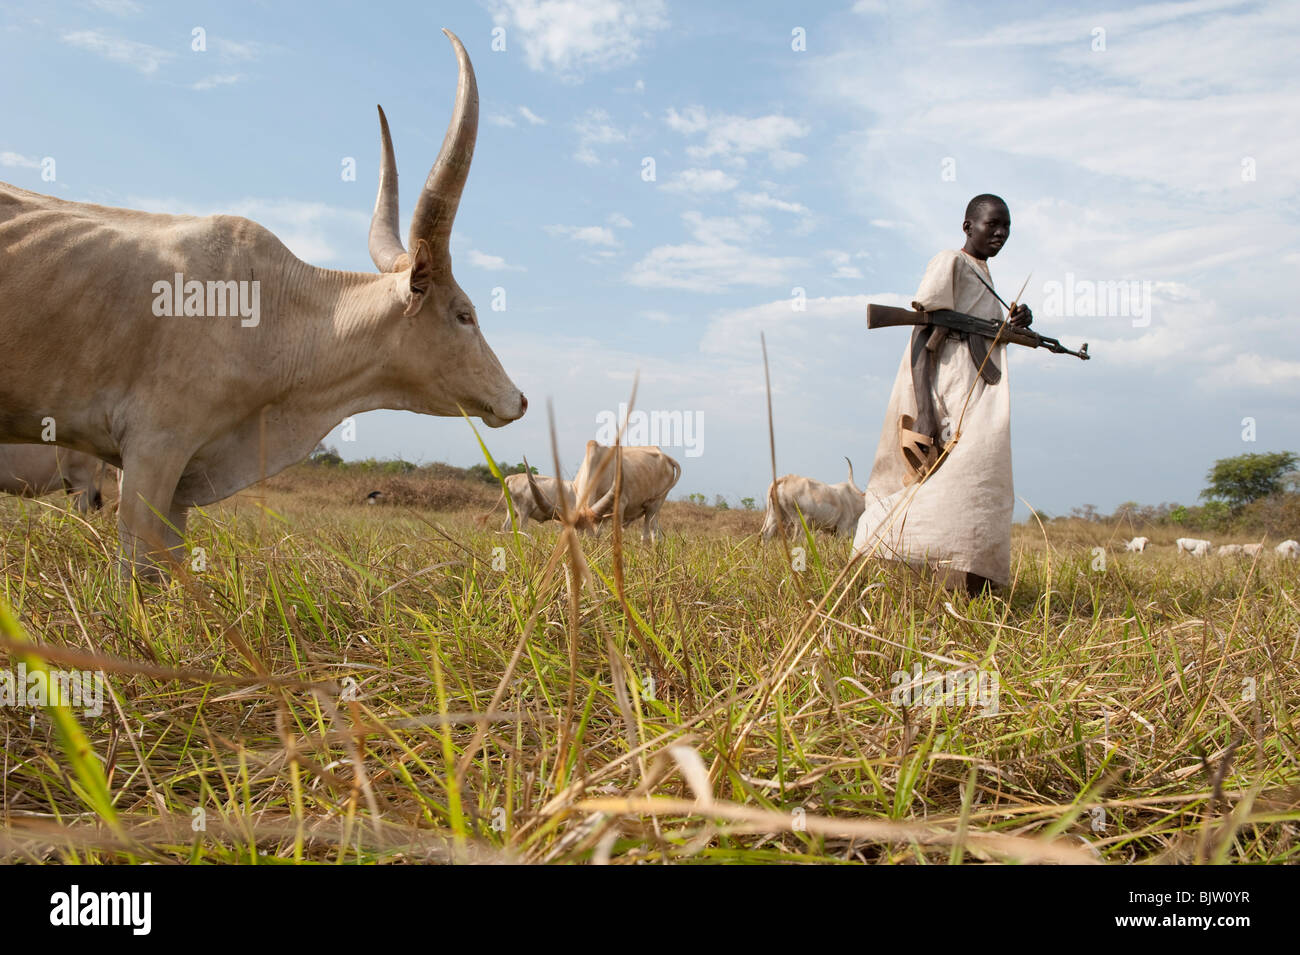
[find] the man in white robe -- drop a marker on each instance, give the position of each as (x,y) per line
(954,518)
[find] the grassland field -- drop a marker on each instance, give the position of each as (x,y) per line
(341,683)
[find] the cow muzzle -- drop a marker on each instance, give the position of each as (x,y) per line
(494,416)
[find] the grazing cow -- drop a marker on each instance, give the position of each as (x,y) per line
(1137,545)
(1193,546)
(1227,550)
(374,497)
(1251,550)
(106,330)
(31,470)
(1288,548)
(526,502)
(648,476)
(829,507)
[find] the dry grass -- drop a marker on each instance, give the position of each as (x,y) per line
(423,705)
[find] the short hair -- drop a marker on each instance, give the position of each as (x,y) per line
(984,199)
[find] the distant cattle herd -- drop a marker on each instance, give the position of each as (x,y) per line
(648,475)
(1198,547)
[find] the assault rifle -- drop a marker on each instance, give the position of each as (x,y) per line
(886,316)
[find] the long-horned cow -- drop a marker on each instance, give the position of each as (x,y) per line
(648,476)
(829,507)
(198,390)
(32,470)
(536,505)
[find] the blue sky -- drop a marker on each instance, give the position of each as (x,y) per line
(1162,150)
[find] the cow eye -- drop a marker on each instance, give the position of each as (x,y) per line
(465,318)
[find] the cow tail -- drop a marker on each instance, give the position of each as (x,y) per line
(482,519)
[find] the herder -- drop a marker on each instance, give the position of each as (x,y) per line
(958,522)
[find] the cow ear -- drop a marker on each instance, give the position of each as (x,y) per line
(421,276)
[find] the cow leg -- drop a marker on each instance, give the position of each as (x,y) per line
(148,488)
(177,516)
(651,527)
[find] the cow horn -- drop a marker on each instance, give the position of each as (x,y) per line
(602,508)
(385,240)
(436,208)
(543,502)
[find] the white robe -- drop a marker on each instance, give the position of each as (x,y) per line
(959,519)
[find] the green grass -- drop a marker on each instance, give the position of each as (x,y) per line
(425,706)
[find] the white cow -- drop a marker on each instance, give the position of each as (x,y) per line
(1251,550)
(1227,550)
(1193,546)
(1137,545)
(829,507)
(1289,549)
(200,355)
(526,502)
(31,470)
(648,476)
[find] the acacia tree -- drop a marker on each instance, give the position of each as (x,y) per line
(1248,477)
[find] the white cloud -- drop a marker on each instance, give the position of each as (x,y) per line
(843,262)
(716,229)
(236,50)
(733,138)
(532,117)
(589,235)
(19,161)
(139,56)
(217,79)
(491,263)
(1056,30)
(761,200)
(118,8)
(619,220)
(708,268)
(1254,372)
(701,180)
(571,37)
(500,119)
(716,259)
(822,321)
(595,129)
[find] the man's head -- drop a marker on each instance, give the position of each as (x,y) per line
(987,225)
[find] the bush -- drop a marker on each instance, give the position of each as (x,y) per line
(484,473)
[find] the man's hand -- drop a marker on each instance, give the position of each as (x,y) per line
(1021,316)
